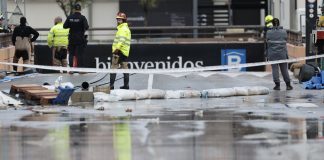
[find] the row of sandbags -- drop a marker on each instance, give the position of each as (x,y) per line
(120,94)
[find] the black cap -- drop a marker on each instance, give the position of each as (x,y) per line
(77,7)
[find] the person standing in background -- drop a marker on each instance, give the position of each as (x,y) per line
(22,37)
(120,49)
(57,40)
(277,50)
(78,24)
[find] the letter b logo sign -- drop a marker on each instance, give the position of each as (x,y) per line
(234,57)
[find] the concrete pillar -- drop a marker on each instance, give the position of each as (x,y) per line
(4,13)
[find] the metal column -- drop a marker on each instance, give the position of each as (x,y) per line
(311,15)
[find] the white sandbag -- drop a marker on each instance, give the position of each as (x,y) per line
(190,93)
(156,94)
(258,90)
(222,92)
(104,97)
(142,94)
(241,91)
(124,94)
(169,94)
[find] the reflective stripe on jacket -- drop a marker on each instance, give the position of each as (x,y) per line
(122,40)
(58,36)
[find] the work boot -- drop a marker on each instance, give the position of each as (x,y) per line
(111,87)
(277,87)
(124,87)
(289,87)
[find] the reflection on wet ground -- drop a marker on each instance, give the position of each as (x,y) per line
(220,133)
(284,125)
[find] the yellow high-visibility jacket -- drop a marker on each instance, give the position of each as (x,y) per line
(58,36)
(123,39)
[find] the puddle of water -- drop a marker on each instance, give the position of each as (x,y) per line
(196,134)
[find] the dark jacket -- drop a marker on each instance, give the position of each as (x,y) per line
(276,43)
(24,31)
(78,24)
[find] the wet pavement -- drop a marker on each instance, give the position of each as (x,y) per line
(282,125)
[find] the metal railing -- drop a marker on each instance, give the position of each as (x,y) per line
(173,34)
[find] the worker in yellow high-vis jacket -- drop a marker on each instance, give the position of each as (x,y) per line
(57,40)
(120,49)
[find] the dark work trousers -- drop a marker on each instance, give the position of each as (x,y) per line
(119,61)
(284,72)
(20,54)
(78,52)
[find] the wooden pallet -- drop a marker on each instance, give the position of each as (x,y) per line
(21,87)
(33,92)
(37,94)
(44,100)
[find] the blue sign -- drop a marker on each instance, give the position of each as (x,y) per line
(233,57)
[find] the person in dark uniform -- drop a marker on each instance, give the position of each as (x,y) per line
(78,24)
(277,50)
(22,37)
